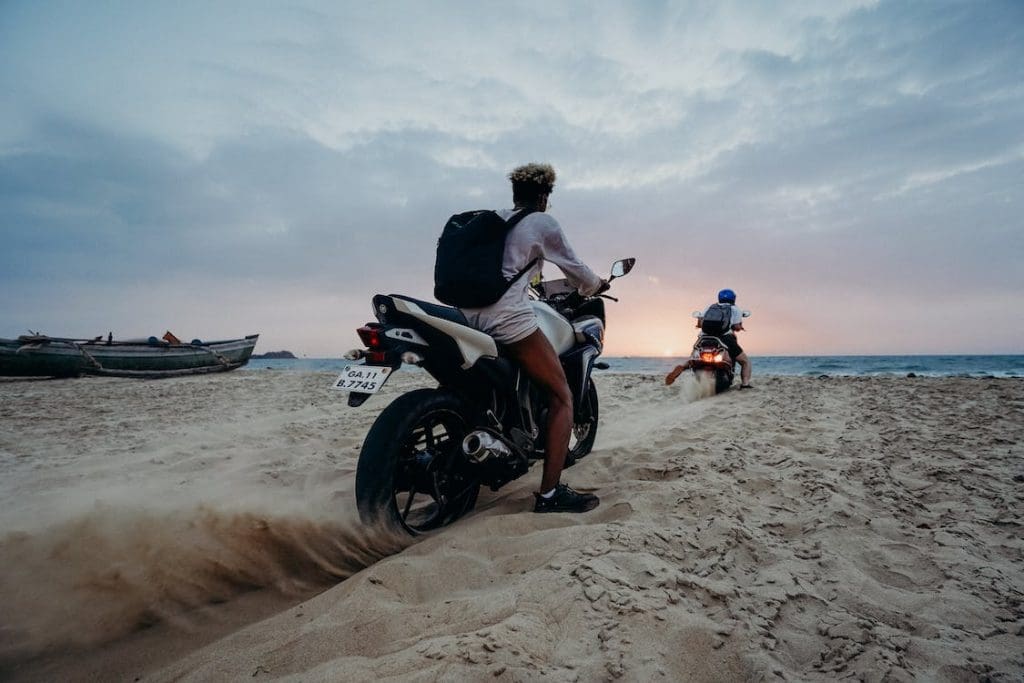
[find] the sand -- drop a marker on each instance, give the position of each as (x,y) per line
(815,528)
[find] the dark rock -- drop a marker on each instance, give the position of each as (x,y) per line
(275,354)
(911,374)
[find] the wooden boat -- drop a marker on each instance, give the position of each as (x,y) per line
(42,356)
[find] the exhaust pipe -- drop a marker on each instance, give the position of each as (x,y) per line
(480,445)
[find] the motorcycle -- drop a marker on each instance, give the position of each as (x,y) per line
(711,358)
(430,450)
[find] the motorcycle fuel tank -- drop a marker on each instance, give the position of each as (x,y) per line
(557,329)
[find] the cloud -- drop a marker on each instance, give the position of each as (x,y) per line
(312,152)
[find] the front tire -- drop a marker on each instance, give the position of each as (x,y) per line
(584,432)
(411,473)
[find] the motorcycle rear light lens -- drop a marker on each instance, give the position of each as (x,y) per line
(710,357)
(377,357)
(370,334)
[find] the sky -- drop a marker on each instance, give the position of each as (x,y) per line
(853,169)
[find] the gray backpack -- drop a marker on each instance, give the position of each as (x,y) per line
(717,320)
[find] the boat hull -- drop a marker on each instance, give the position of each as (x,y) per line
(47,357)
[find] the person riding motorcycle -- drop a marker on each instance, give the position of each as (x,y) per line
(725,296)
(512,322)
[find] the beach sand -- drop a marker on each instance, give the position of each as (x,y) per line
(815,528)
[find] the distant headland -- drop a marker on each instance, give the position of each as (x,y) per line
(274,354)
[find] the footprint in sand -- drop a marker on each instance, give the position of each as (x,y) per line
(661,473)
(796,631)
(902,566)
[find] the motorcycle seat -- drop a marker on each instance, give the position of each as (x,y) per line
(436,310)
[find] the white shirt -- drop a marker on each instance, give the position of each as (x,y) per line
(735,315)
(540,236)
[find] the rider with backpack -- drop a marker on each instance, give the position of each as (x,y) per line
(485,262)
(722,320)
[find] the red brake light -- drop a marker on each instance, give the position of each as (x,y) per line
(377,357)
(370,334)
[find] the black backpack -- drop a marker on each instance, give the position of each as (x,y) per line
(470,253)
(717,320)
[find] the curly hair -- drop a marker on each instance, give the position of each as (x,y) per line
(537,174)
(532,180)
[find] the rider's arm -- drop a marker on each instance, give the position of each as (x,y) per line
(556,249)
(736,319)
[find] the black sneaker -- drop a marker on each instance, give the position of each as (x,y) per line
(566,500)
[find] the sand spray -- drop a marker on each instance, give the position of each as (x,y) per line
(116,567)
(695,386)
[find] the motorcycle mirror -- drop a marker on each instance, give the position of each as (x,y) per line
(697,314)
(746,314)
(620,268)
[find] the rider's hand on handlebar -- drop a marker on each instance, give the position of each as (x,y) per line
(605,286)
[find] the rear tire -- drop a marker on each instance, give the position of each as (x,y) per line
(411,473)
(722,381)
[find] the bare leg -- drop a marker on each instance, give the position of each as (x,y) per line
(535,355)
(745,369)
(672,376)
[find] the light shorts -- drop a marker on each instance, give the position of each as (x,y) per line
(508,320)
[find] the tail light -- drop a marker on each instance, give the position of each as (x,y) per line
(370,334)
(380,357)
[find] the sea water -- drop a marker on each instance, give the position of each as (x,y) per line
(814,366)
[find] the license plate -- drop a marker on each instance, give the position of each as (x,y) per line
(366,379)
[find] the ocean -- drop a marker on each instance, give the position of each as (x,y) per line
(813,366)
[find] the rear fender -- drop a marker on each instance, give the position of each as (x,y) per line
(450,342)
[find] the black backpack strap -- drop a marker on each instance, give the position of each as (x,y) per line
(511,224)
(523,271)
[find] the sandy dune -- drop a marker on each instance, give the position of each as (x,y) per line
(198,528)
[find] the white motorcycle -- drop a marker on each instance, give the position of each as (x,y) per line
(430,450)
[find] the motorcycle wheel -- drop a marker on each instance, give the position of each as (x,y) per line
(723,381)
(411,474)
(583,435)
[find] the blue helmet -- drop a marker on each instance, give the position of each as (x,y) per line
(727,296)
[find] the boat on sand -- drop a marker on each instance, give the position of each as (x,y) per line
(41,356)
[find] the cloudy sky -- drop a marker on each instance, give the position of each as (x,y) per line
(855,170)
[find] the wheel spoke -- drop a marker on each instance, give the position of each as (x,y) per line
(436,489)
